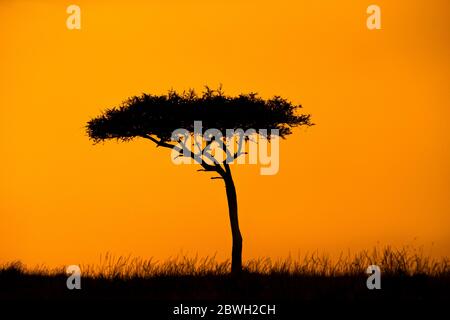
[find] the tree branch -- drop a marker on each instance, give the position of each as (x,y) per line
(197,158)
(217,165)
(239,152)
(159,143)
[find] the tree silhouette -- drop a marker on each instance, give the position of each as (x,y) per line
(155,117)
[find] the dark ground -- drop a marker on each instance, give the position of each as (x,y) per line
(292,294)
(412,285)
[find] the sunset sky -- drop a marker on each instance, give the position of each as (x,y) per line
(374,170)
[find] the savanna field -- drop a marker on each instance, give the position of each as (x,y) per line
(406,275)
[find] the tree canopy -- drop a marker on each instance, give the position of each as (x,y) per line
(159,115)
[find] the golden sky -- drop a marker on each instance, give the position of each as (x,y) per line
(374,170)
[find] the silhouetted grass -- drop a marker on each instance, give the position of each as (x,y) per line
(407,275)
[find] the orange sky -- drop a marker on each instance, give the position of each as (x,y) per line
(373,170)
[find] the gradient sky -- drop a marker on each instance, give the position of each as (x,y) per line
(374,170)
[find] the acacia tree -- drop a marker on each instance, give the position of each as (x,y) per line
(155,117)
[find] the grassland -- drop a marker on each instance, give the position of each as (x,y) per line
(407,275)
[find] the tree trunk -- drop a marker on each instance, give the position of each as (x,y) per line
(236,252)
